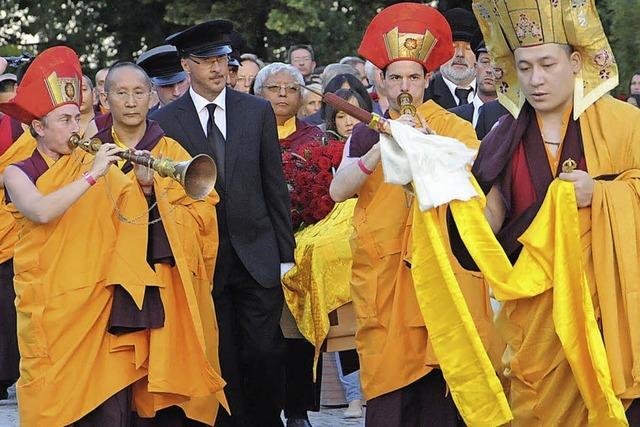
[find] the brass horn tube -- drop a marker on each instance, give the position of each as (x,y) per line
(197,176)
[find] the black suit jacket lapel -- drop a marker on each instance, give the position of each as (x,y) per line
(190,122)
(443,94)
(234,144)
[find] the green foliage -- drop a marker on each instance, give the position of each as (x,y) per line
(103,31)
(622,17)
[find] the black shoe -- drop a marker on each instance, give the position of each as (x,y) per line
(298,422)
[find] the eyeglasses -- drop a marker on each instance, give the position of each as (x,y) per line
(123,95)
(248,79)
(213,60)
(289,88)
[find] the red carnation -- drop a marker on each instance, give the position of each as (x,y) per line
(324,178)
(324,163)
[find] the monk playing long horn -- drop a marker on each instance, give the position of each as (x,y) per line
(400,375)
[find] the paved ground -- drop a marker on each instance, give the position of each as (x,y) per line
(327,417)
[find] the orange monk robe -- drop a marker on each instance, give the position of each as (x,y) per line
(184,367)
(610,235)
(18,151)
(392,340)
(63,276)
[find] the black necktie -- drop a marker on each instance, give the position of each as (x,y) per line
(216,141)
(463,95)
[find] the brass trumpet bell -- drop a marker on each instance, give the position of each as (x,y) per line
(197,176)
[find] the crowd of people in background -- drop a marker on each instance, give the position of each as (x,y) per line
(203,92)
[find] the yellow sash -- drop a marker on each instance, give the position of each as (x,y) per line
(551,258)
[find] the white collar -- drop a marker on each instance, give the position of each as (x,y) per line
(452,86)
(201,102)
(477,103)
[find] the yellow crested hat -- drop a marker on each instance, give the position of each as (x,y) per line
(510,24)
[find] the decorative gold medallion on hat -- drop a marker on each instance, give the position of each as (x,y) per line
(511,24)
(407,31)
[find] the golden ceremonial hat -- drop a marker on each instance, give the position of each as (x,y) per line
(511,24)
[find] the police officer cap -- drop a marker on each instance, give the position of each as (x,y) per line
(204,40)
(162,65)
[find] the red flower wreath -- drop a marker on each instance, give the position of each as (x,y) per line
(308,170)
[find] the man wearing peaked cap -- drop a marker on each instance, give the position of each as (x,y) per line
(238,44)
(58,199)
(399,370)
(455,84)
(254,226)
(162,65)
(565,167)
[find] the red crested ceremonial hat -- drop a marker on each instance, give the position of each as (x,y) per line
(53,79)
(408,31)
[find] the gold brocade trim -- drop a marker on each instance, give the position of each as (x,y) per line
(409,45)
(63,90)
(319,281)
(511,24)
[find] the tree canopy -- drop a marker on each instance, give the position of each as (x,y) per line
(103,31)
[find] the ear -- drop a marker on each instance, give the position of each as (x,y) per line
(427,79)
(38,127)
(576,61)
(313,66)
(104,100)
(185,65)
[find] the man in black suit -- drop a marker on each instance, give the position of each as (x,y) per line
(455,84)
(490,114)
(486,83)
(254,226)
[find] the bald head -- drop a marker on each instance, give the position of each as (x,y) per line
(114,71)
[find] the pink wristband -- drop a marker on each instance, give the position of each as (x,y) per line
(363,168)
(87,177)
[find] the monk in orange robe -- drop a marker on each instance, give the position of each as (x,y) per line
(565,121)
(399,371)
(16,151)
(181,248)
(79,267)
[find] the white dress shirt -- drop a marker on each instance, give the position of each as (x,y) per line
(219,115)
(452,88)
(477,103)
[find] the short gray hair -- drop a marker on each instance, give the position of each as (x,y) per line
(253,58)
(332,70)
(371,70)
(314,87)
(352,60)
(275,68)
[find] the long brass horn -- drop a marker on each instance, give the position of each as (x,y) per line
(197,176)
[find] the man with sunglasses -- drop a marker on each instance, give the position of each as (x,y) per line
(254,225)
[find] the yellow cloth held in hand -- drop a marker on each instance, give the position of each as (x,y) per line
(319,281)
(551,258)
(475,388)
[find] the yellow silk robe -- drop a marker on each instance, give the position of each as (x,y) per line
(20,150)
(392,340)
(184,367)
(543,390)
